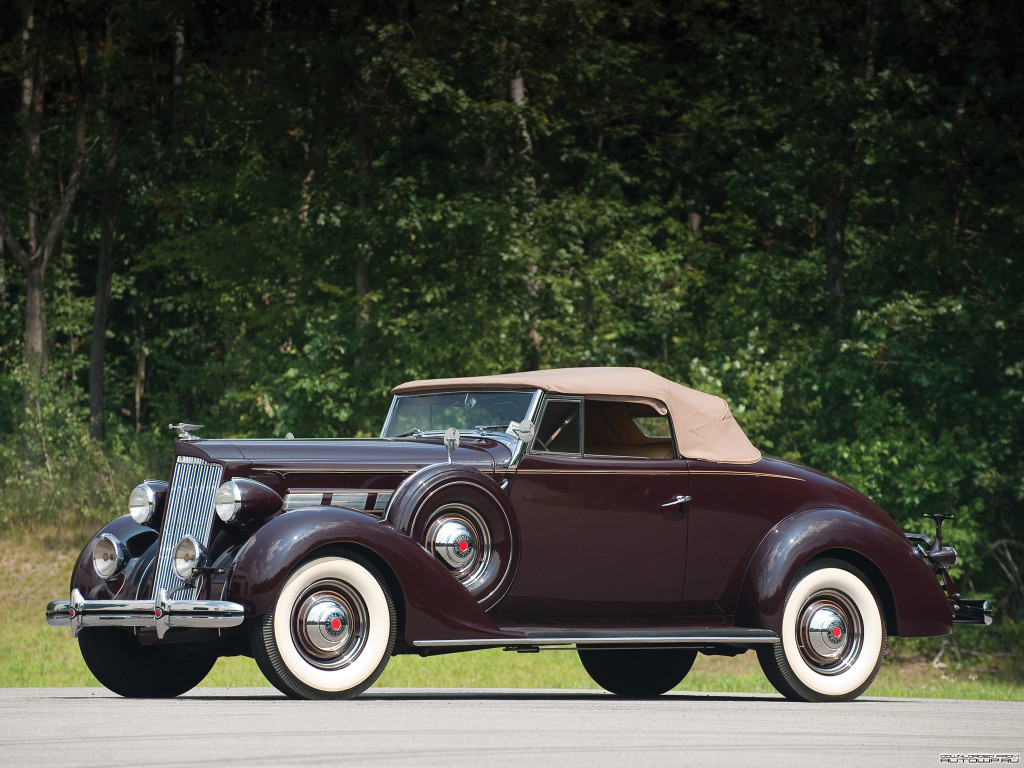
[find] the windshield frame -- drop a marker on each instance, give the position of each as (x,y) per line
(499,435)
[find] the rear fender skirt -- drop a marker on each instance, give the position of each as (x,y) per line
(434,604)
(919,607)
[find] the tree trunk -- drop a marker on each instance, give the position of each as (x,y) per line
(35,314)
(365,159)
(97,399)
(35,254)
(178,98)
(140,372)
(835,253)
(517,93)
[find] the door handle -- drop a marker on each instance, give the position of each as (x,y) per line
(676,500)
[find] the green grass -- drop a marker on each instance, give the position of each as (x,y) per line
(33,654)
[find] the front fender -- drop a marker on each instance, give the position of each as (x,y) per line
(916,605)
(141,543)
(435,605)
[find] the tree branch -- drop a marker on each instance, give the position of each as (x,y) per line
(12,242)
(67,201)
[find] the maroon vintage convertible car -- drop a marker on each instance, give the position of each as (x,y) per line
(606,510)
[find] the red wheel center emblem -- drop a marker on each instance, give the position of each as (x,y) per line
(463,546)
(335,623)
(836,632)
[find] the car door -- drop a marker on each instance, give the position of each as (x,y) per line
(601,536)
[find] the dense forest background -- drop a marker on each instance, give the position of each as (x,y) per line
(260,215)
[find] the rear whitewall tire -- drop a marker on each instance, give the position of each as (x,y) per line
(294,662)
(800,671)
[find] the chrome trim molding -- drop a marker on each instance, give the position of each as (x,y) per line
(162,613)
(681,638)
(359,499)
(676,500)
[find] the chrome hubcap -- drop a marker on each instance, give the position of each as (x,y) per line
(455,544)
(829,633)
(330,624)
(459,537)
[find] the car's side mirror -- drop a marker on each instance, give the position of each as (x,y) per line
(524,430)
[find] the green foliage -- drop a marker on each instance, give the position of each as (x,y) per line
(810,209)
(54,479)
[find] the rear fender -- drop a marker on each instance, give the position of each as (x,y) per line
(434,605)
(913,600)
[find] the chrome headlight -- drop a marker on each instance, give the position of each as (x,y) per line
(228,501)
(189,557)
(108,556)
(142,504)
(145,501)
(244,501)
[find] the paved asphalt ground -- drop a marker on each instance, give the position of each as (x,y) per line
(461,728)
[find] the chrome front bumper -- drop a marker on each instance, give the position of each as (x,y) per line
(162,613)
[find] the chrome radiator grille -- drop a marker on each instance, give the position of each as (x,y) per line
(189,513)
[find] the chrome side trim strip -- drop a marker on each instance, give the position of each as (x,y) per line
(682,638)
(360,499)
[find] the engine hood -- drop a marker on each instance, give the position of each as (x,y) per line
(368,455)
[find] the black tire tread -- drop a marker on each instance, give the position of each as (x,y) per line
(637,672)
(117,659)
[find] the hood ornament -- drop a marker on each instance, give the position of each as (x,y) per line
(184,429)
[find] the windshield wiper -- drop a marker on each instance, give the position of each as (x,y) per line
(414,432)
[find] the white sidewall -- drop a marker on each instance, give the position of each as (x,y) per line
(363,582)
(871,644)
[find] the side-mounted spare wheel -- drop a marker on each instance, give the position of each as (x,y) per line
(120,663)
(462,517)
(833,635)
(330,632)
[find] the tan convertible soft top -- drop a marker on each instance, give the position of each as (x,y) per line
(703,424)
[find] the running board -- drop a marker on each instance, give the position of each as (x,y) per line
(680,638)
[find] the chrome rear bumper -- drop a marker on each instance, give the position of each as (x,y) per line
(972,612)
(162,613)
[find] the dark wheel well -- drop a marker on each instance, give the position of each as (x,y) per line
(872,572)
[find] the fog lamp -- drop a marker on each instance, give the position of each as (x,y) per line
(189,557)
(108,556)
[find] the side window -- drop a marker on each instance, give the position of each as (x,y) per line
(654,426)
(560,428)
(627,429)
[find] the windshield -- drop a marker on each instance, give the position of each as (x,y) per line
(492,411)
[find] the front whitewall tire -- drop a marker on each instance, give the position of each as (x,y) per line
(293,643)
